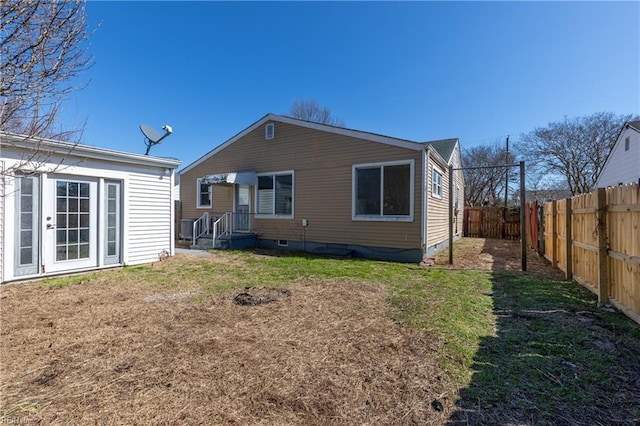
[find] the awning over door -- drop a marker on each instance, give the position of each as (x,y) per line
(243,178)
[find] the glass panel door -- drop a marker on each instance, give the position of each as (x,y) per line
(112,223)
(70,222)
(27,201)
(242,217)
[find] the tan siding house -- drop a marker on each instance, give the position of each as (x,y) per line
(314,187)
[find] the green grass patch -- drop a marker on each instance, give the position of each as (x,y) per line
(64,281)
(555,358)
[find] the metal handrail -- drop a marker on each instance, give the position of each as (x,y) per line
(200,227)
(221,227)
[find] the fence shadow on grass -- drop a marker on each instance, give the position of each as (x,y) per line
(555,358)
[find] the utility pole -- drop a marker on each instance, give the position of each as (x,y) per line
(506,175)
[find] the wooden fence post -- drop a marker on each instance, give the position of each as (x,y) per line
(603,273)
(523,230)
(541,228)
(569,241)
(554,234)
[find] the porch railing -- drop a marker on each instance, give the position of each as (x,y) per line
(222,226)
(200,227)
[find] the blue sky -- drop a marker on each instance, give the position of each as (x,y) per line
(414,70)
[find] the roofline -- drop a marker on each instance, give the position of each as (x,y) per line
(80,150)
(436,155)
(359,134)
(631,125)
(456,144)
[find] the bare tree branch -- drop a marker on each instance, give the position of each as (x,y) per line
(575,148)
(43,49)
(309,110)
(487,185)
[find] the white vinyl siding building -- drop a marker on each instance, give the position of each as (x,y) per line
(70,208)
(623,163)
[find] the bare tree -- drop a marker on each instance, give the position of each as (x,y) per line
(574,148)
(43,49)
(309,110)
(484,178)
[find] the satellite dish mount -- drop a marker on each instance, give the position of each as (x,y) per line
(151,137)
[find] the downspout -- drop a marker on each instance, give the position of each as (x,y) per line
(172,210)
(426,154)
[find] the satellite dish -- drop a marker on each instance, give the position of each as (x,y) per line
(152,137)
(150,133)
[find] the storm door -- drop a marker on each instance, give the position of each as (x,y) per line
(242,216)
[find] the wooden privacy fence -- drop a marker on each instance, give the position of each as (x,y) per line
(491,222)
(595,240)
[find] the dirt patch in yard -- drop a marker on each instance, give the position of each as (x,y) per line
(120,352)
(496,255)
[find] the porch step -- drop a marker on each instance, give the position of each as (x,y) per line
(232,241)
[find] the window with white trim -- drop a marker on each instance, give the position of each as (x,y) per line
(436,183)
(383,191)
(627,141)
(274,196)
(205,194)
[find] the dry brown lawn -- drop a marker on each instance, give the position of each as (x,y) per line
(121,352)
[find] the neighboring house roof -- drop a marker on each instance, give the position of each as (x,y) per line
(373,137)
(52,146)
(634,124)
(444,147)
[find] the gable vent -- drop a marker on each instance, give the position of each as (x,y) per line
(269,131)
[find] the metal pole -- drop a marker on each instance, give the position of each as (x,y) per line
(506,192)
(450,215)
(506,175)
(523,225)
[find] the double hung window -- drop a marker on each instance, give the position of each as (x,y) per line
(205,192)
(436,183)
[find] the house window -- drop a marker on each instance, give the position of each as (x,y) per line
(456,200)
(627,141)
(205,192)
(269,131)
(383,191)
(275,194)
(436,183)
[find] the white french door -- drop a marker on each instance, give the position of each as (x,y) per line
(70,223)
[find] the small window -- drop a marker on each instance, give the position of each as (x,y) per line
(283,243)
(456,200)
(269,131)
(626,143)
(436,183)
(205,192)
